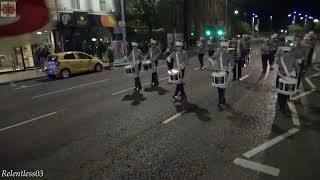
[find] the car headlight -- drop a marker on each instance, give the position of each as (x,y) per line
(291,44)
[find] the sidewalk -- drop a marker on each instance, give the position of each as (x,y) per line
(29,75)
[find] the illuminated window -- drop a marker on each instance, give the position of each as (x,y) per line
(103,5)
(75,4)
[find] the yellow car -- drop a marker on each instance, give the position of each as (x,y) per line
(67,63)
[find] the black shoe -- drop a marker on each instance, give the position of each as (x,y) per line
(220,108)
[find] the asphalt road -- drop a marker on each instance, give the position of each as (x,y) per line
(93,126)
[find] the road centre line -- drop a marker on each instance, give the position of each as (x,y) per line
(243,78)
(270,143)
(27,86)
(303,94)
(257,166)
(75,87)
(294,114)
(173,117)
(28,121)
(133,87)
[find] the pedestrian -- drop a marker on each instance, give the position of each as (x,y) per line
(247,48)
(153,54)
(309,44)
(44,54)
(235,50)
(287,67)
(110,55)
(170,49)
(299,52)
(274,45)
(135,57)
(222,61)
(265,55)
(179,59)
(201,51)
(211,46)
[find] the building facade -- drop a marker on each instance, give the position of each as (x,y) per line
(72,22)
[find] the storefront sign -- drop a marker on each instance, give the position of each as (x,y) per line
(81,18)
(8,9)
(66,19)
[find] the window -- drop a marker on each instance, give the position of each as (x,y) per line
(75,4)
(103,5)
(83,56)
(69,56)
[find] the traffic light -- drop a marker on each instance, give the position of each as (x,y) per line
(192,34)
(220,31)
(208,31)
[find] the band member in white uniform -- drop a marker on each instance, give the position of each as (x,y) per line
(135,57)
(222,60)
(289,67)
(201,51)
(180,59)
(153,54)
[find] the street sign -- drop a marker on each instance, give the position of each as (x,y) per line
(122,23)
(117,30)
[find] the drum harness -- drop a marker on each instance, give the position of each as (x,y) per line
(284,67)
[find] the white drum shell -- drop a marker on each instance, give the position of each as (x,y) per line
(129,70)
(219,79)
(287,85)
(174,76)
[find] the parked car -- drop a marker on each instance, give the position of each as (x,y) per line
(66,63)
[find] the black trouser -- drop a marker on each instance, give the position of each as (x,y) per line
(156,62)
(282,99)
(300,74)
(155,81)
(221,93)
(211,53)
(272,57)
(180,88)
(139,66)
(265,59)
(309,60)
(170,64)
(182,73)
(137,83)
(237,69)
(200,57)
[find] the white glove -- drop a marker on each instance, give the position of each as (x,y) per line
(182,66)
(211,62)
(299,61)
(169,60)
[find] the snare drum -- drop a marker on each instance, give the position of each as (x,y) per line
(130,69)
(287,85)
(147,65)
(219,79)
(174,76)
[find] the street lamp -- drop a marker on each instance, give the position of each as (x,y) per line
(236,12)
(316,20)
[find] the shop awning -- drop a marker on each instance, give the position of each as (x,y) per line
(31,15)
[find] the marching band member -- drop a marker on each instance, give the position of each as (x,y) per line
(265,55)
(169,50)
(179,58)
(201,51)
(274,45)
(153,54)
(211,47)
(136,56)
(222,60)
(287,67)
(300,54)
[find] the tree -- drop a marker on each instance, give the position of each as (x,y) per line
(143,14)
(317,28)
(295,29)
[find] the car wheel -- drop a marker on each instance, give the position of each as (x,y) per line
(65,73)
(98,68)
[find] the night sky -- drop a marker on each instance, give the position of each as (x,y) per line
(279,9)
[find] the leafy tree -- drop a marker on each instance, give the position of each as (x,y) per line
(317,28)
(295,29)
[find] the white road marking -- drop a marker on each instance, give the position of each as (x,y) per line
(270,143)
(243,78)
(316,68)
(27,86)
(310,83)
(75,87)
(129,89)
(25,122)
(172,118)
(294,114)
(257,166)
(199,67)
(303,94)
